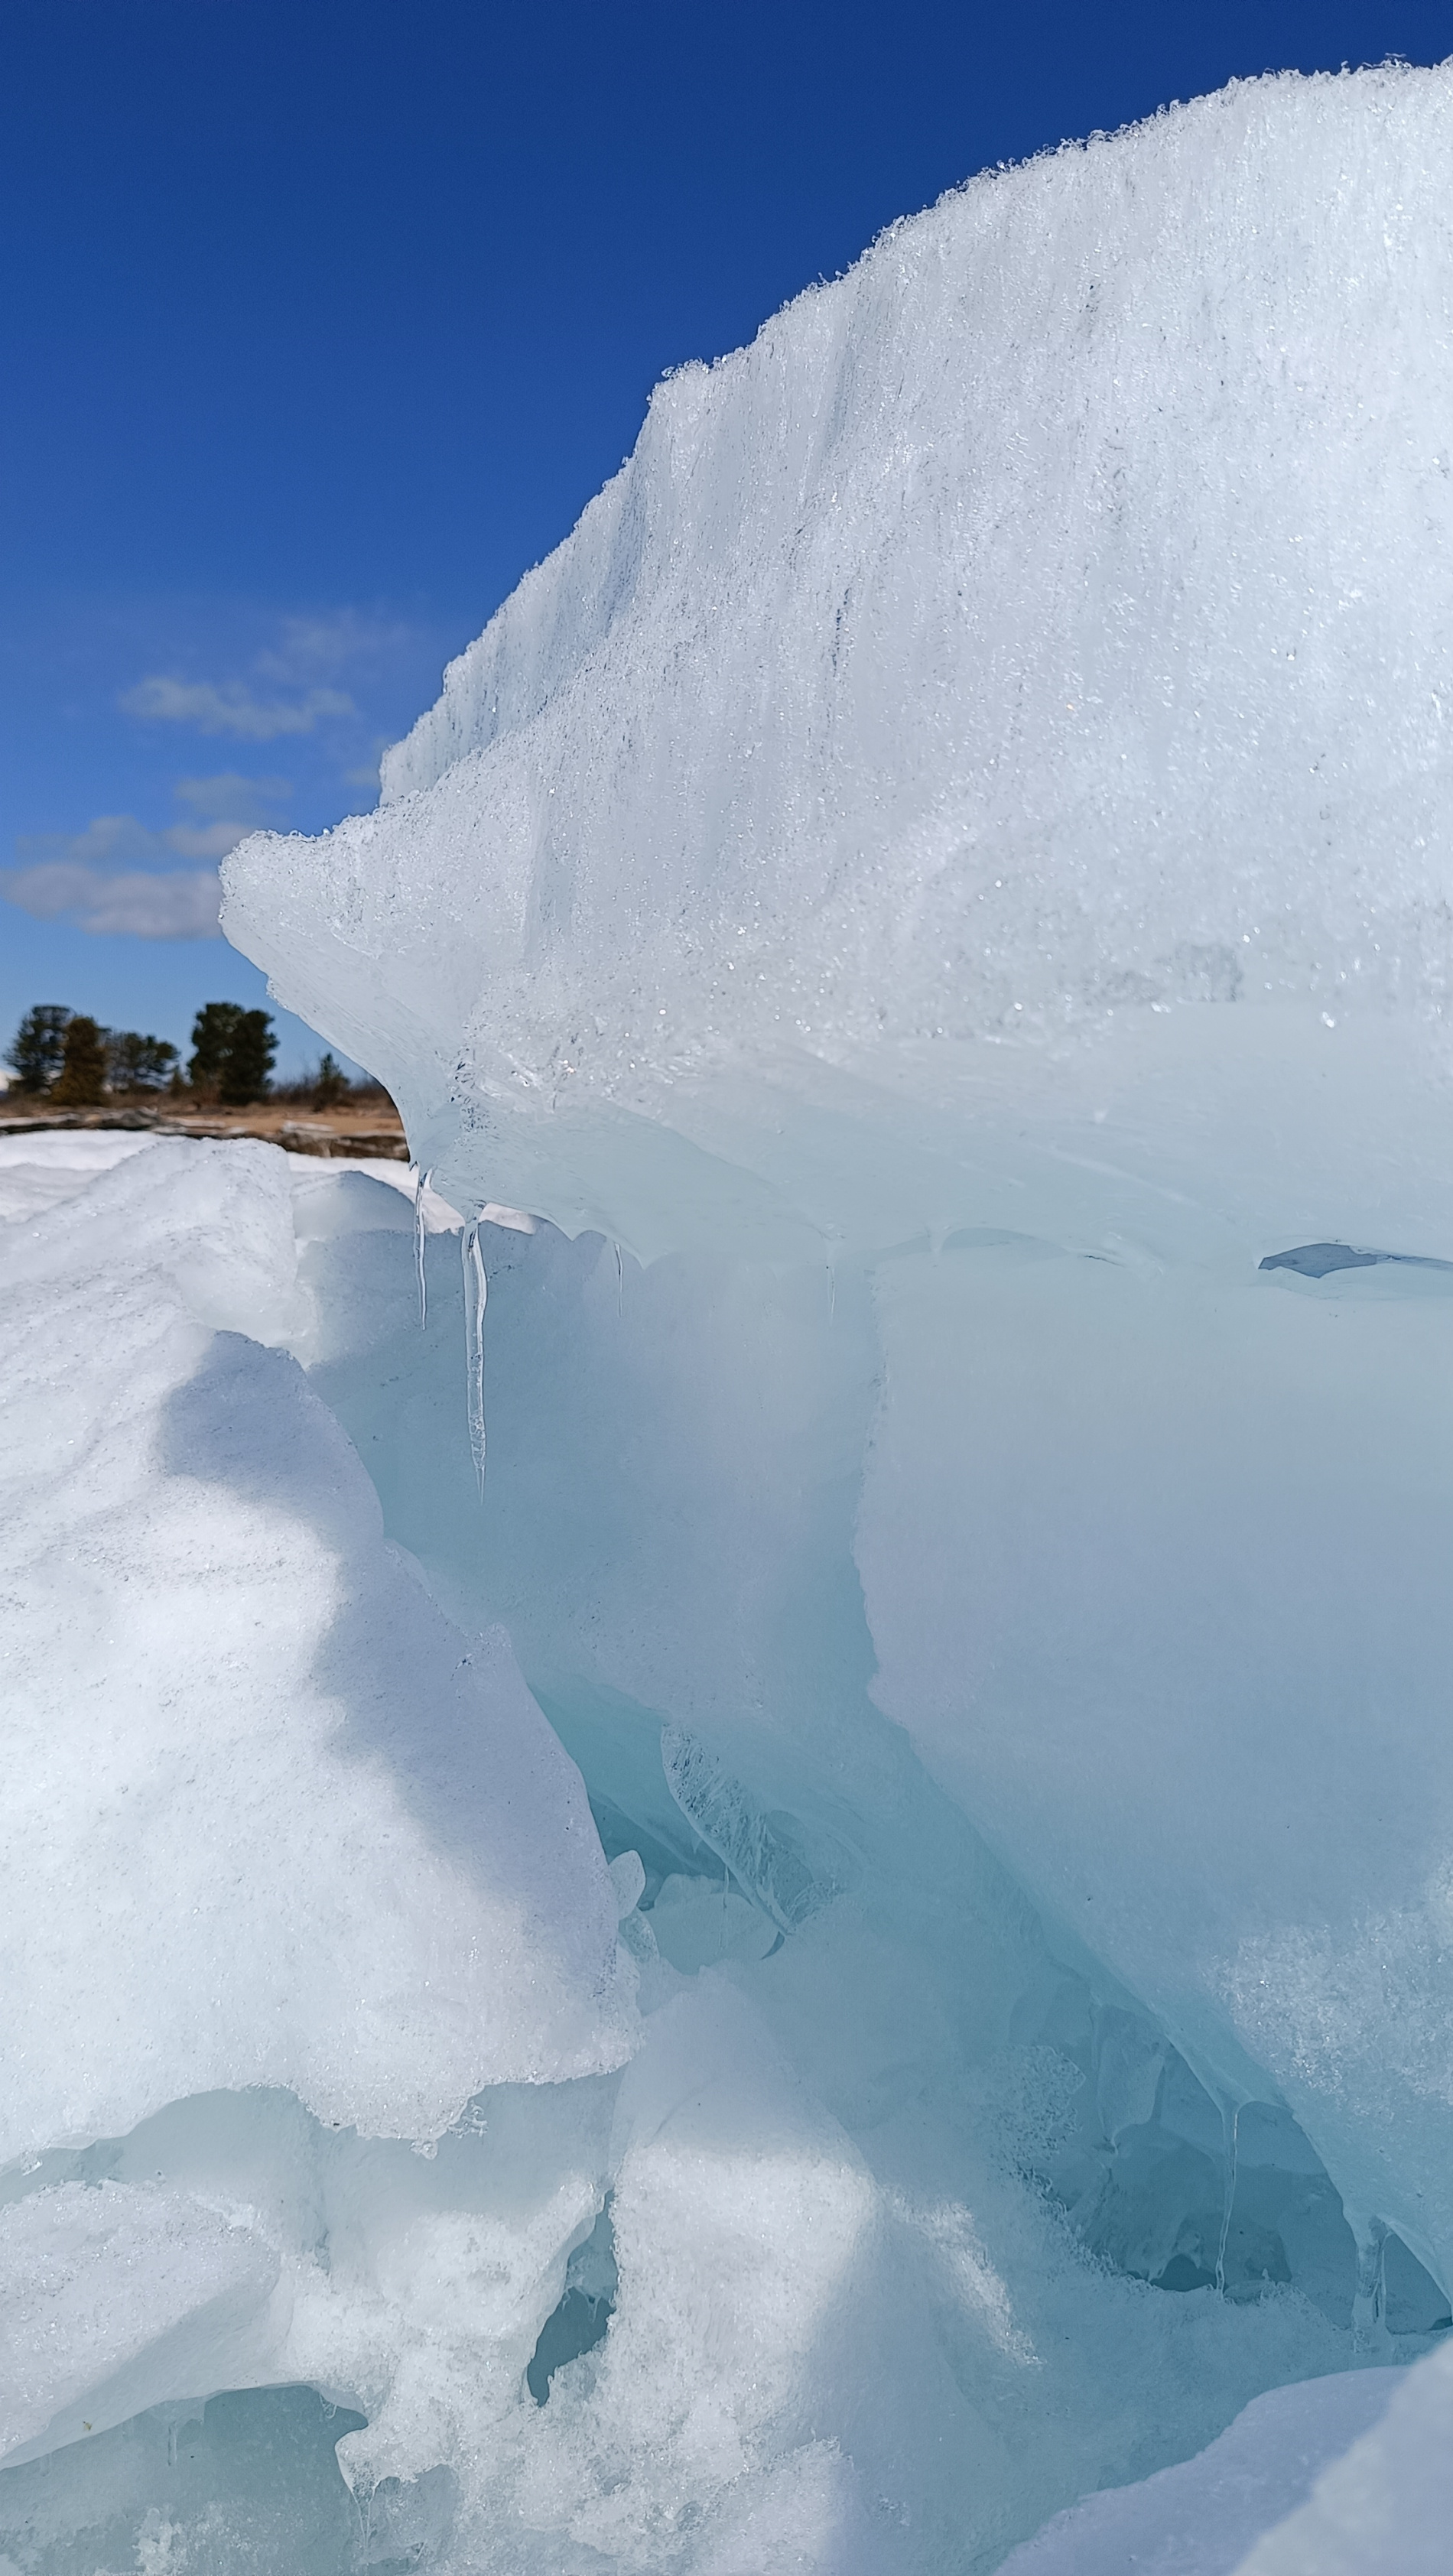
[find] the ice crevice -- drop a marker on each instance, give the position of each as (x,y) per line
(847,1955)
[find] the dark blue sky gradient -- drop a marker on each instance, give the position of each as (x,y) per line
(314,308)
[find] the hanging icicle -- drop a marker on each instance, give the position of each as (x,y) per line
(421,1183)
(476,1290)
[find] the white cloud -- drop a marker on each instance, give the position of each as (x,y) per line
(233,798)
(206,840)
(223,811)
(163,699)
(298,675)
(179,903)
(312,646)
(118,875)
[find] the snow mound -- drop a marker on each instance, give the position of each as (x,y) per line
(269,1819)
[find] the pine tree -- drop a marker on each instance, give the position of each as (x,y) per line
(212,1033)
(37,1050)
(83,1074)
(251,1055)
(331,1085)
(233,1053)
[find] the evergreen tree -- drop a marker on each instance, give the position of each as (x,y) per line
(233,1053)
(331,1085)
(251,1055)
(83,1073)
(212,1034)
(37,1050)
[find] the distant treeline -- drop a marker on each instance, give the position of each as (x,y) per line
(69,1059)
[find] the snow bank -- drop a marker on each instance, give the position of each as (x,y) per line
(1386,2503)
(1344,2477)
(269,1822)
(1197,2519)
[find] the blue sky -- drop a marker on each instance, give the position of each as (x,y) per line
(324,321)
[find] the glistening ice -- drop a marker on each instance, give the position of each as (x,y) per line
(843,1967)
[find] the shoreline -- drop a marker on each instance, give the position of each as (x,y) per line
(379,1139)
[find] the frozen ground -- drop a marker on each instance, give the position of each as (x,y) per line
(759,1866)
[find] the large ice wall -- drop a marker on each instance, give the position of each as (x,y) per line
(971,801)
(1041,632)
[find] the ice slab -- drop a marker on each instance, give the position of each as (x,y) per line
(1335,2477)
(970,707)
(246,2485)
(1199,2519)
(112,2297)
(1388,2502)
(37,1172)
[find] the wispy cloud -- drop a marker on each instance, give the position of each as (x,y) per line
(366,774)
(292,687)
(179,903)
(312,648)
(231,709)
(118,875)
(223,811)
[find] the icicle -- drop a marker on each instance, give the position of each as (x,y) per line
(620,1282)
(1371,2340)
(476,1290)
(420,1186)
(1231,2124)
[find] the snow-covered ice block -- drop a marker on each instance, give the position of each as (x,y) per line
(1387,2503)
(112,2297)
(1038,632)
(268,1818)
(37,1172)
(1199,2518)
(1346,2476)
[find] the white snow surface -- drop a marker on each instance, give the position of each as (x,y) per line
(269,1820)
(1197,2519)
(114,2298)
(1388,2502)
